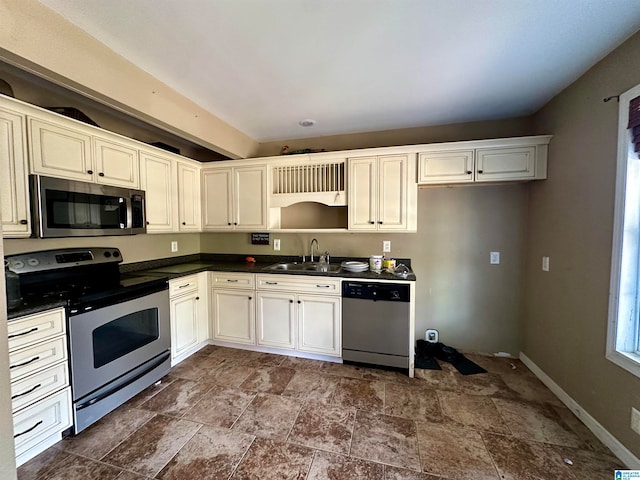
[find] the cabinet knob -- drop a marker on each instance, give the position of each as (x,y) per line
(469,172)
(290,301)
(380,222)
(235,223)
(90,172)
(371,222)
(250,298)
(197,298)
(184,223)
(23,222)
(229,223)
(147,222)
(479,171)
(299,301)
(101,174)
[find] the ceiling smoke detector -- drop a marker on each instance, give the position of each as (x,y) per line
(307,122)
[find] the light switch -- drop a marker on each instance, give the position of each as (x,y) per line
(494,258)
(386,246)
(174,246)
(276,244)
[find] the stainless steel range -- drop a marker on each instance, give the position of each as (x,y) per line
(118,326)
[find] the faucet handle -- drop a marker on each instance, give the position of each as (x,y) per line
(324,258)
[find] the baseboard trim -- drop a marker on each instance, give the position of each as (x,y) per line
(620,451)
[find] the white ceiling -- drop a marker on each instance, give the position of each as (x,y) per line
(359,65)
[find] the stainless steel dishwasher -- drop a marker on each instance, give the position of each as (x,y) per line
(375,323)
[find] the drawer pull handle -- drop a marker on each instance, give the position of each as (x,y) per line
(24,363)
(34,329)
(323,286)
(32,389)
(271,283)
(232,281)
(28,429)
(184,286)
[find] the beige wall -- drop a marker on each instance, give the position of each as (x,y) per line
(474,305)
(510,127)
(571,220)
(35,38)
(136,248)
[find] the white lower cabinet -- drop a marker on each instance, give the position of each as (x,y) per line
(40,391)
(233,307)
(299,313)
(276,319)
(189,322)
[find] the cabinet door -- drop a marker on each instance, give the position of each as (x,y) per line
(116,163)
(184,324)
(217,185)
(363,193)
(276,319)
(446,167)
(319,325)
(60,151)
(392,192)
(497,164)
(189,198)
(250,198)
(158,179)
(233,316)
(14,191)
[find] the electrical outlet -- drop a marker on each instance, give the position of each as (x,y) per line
(386,246)
(431,335)
(174,246)
(494,258)
(635,420)
(276,244)
(545,264)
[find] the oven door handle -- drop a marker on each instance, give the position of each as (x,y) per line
(104,395)
(125,213)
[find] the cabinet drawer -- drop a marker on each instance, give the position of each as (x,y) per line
(299,283)
(35,328)
(32,359)
(232,280)
(183,285)
(41,420)
(37,386)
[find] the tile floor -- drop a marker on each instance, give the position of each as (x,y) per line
(232,414)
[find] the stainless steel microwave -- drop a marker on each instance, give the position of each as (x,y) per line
(69,208)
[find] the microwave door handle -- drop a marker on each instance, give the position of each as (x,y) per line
(125,213)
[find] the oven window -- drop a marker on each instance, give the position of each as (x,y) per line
(84,210)
(124,335)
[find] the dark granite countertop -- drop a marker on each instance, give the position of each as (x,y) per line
(35,306)
(191,264)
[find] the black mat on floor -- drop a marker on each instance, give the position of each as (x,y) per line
(427,363)
(427,352)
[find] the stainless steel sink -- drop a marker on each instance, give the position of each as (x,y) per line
(303,267)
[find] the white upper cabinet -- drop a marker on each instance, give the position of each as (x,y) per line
(60,151)
(116,163)
(189,199)
(157,178)
(14,191)
(381,195)
(446,167)
(235,198)
(81,153)
(498,160)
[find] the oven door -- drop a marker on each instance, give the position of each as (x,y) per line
(108,343)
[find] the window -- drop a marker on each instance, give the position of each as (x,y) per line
(623,337)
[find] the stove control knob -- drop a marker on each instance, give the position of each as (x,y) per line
(17,264)
(116,253)
(34,262)
(107,254)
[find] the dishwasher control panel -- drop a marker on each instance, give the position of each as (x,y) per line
(377,291)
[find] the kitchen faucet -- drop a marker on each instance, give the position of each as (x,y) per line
(311,247)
